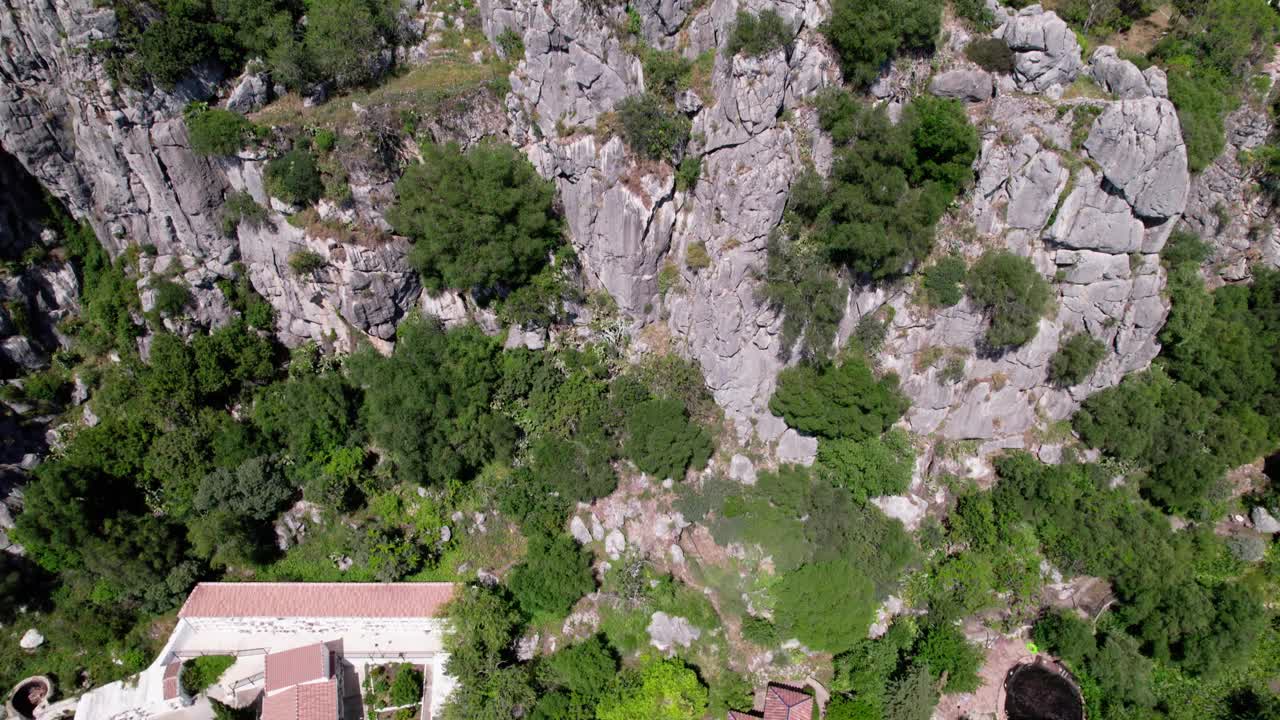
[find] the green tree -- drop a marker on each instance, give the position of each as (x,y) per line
(556,573)
(662,441)
(346,38)
(429,404)
(869,467)
(944,281)
(827,605)
(659,690)
(945,651)
(406,687)
(756,35)
(1012,293)
(257,489)
(214,131)
(483,625)
(294,177)
(652,128)
(1067,636)
(868,35)
(480,220)
(1076,359)
(838,401)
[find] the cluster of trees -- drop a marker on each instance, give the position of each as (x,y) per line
(1211,394)
(342,41)
(481,220)
(867,36)
(582,681)
(1180,604)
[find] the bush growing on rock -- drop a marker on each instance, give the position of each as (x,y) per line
(555,574)
(944,281)
(481,220)
(294,178)
(345,38)
(1012,293)
(990,54)
(306,262)
(213,131)
(867,35)
(838,401)
(652,128)
(756,35)
(662,441)
(1076,359)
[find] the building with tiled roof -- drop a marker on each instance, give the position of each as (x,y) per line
(299,649)
(780,703)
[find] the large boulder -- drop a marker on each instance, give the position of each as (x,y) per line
(1123,79)
(1138,144)
(967,85)
(1045,51)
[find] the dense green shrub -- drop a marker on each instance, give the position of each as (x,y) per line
(213,131)
(826,605)
(944,281)
(838,401)
(199,673)
(306,262)
(511,44)
(991,54)
(976,12)
(406,687)
(429,404)
(687,173)
(652,128)
(345,38)
(662,441)
(1012,293)
(870,467)
(480,220)
(1076,359)
(945,651)
(555,574)
(890,184)
(665,72)
(659,688)
(868,35)
(1203,98)
(294,178)
(800,282)
(1067,636)
(756,35)
(240,207)
(171,298)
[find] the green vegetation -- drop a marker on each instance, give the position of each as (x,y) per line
(480,220)
(341,41)
(866,35)
(756,35)
(1076,359)
(556,573)
(1012,293)
(663,442)
(240,207)
(659,688)
(944,281)
(991,54)
(306,262)
(213,131)
(653,128)
(889,185)
(869,467)
(838,401)
(294,177)
(198,674)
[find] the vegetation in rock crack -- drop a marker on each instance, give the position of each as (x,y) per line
(294,177)
(991,54)
(844,400)
(652,128)
(1012,293)
(868,35)
(1076,359)
(480,220)
(754,35)
(214,131)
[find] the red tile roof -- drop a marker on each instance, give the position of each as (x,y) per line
(317,600)
(314,701)
(784,703)
(171,687)
(735,715)
(299,665)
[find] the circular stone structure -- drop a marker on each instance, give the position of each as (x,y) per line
(1041,690)
(30,696)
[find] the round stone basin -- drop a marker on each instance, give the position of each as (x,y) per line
(1040,691)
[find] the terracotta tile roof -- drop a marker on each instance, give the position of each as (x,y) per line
(171,688)
(314,701)
(300,665)
(317,600)
(735,715)
(784,703)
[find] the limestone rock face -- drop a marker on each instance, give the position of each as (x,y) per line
(1139,145)
(1123,79)
(667,632)
(967,85)
(1046,52)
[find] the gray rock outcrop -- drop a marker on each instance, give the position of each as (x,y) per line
(1138,144)
(1045,50)
(967,85)
(1264,521)
(1123,79)
(668,632)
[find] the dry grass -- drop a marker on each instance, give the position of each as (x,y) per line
(419,89)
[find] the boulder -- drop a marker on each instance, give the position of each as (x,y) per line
(31,640)
(1138,144)
(742,469)
(1118,76)
(667,632)
(252,91)
(967,85)
(578,529)
(796,448)
(1264,521)
(1045,50)
(615,543)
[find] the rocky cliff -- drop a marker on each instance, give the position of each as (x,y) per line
(1087,185)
